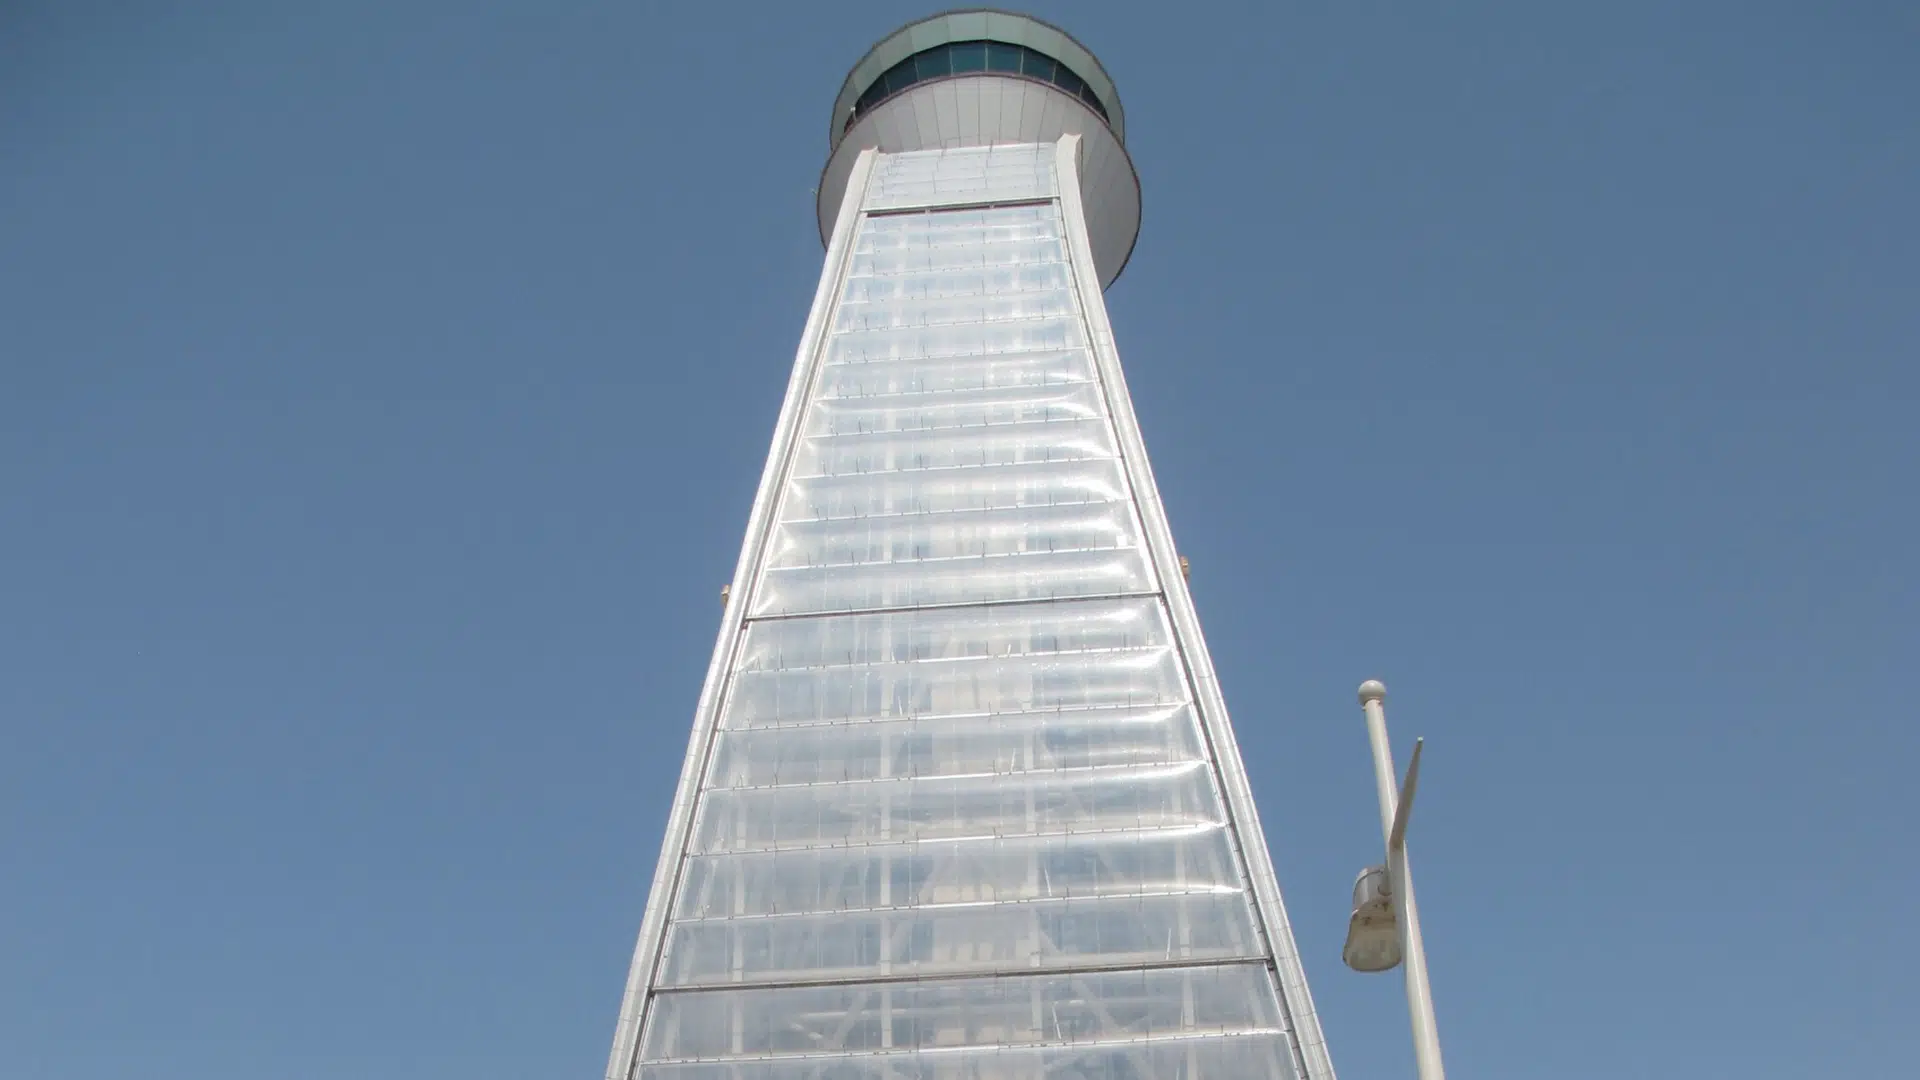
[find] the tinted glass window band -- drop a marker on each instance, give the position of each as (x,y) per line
(962,57)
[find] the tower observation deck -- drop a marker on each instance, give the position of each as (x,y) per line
(962,800)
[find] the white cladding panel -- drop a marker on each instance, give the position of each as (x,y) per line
(959,817)
(997,111)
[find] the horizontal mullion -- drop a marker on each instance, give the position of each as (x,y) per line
(969,838)
(896,980)
(1062,460)
(935,778)
(996,324)
(895,515)
(960,905)
(1068,713)
(910,397)
(905,210)
(1022,601)
(1182,1036)
(940,560)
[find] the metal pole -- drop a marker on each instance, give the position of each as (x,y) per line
(1426,1033)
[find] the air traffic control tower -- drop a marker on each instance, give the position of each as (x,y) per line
(962,801)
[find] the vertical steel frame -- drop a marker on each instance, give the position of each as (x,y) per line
(786,432)
(1309,1044)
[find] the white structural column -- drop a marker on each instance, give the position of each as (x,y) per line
(1426,1032)
(622,1060)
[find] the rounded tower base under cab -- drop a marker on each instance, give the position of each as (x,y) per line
(984,78)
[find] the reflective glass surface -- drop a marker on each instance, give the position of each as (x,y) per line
(969,56)
(1178,1023)
(892,250)
(961,57)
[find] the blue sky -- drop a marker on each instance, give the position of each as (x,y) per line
(383,388)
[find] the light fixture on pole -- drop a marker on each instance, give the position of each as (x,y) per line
(1384,930)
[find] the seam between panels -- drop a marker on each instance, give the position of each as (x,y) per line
(898,979)
(822,1058)
(624,1059)
(1023,904)
(957,201)
(1309,1044)
(1118,832)
(1015,601)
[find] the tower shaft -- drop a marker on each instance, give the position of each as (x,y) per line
(962,800)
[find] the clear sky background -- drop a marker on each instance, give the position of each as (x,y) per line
(383,387)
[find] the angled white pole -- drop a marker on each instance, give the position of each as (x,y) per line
(1395,811)
(1403,808)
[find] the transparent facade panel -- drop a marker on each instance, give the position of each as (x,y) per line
(1102,1009)
(976,339)
(1041,630)
(972,173)
(914,483)
(945,808)
(961,281)
(976,579)
(961,939)
(955,310)
(1053,483)
(845,542)
(960,257)
(958,873)
(1144,676)
(955,407)
(912,378)
(1002,444)
(870,749)
(1238,1057)
(999,224)
(1018,658)
(958,820)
